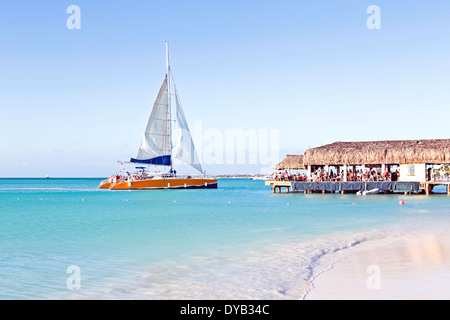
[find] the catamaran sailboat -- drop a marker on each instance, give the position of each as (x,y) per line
(157,149)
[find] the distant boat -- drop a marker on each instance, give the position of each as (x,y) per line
(46,176)
(265,178)
(157,149)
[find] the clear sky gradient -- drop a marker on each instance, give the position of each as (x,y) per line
(73,102)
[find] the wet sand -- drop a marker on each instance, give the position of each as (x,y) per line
(417,268)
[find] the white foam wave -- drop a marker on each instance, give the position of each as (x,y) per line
(281,271)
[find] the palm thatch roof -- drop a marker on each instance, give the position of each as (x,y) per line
(436,151)
(294,162)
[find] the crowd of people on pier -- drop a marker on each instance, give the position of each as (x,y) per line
(322,176)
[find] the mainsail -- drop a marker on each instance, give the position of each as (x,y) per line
(156,144)
(185,146)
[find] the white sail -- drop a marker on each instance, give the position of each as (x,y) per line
(156,144)
(185,146)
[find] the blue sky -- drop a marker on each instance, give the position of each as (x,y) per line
(73,102)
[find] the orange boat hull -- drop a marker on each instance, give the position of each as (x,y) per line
(168,183)
(104,185)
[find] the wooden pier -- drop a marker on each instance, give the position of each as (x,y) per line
(352,187)
(278,185)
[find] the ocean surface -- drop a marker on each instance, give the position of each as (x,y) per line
(67,239)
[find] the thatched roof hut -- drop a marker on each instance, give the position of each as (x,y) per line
(294,162)
(436,151)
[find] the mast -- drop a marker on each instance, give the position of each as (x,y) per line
(156,145)
(168,100)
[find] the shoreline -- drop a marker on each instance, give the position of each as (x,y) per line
(416,268)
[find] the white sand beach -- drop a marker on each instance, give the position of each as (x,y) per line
(418,269)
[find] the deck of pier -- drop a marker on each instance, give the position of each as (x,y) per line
(277,185)
(406,187)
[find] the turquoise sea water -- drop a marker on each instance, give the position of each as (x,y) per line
(240,241)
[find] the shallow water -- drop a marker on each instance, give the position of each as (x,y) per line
(240,241)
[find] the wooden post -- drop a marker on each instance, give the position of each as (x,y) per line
(448,189)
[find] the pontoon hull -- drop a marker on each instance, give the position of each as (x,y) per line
(168,183)
(104,185)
